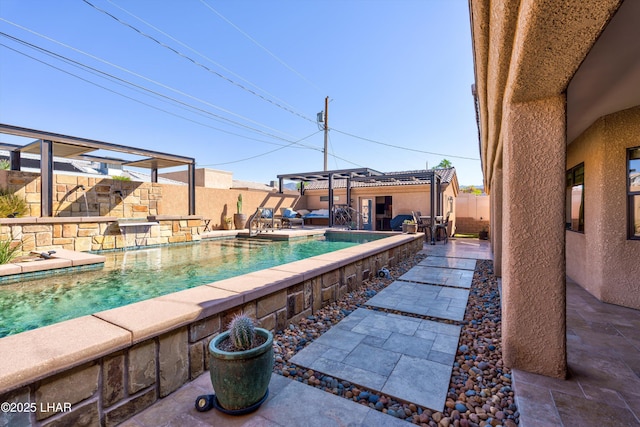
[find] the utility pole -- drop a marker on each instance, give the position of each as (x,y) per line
(326,130)
(323,117)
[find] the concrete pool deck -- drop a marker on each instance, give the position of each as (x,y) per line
(382,351)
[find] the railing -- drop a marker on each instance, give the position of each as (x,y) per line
(347,216)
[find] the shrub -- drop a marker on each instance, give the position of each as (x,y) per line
(7,251)
(11,205)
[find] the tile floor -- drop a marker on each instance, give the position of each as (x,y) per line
(603,354)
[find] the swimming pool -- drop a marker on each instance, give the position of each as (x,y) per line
(136,275)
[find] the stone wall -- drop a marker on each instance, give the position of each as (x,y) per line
(97,233)
(125,359)
(86,196)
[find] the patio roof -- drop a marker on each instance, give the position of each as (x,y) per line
(49,144)
(336,174)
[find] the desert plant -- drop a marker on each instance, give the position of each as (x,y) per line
(7,251)
(120,178)
(11,205)
(239,203)
(5,164)
(242,332)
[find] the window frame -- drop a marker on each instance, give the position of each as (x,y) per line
(631,195)
(570,183)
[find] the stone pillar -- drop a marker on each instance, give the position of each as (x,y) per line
(496,221)
(533,249)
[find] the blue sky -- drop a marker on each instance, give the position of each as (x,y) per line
(237,84)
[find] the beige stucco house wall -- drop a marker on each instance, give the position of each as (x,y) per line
(602,259)
(556,84)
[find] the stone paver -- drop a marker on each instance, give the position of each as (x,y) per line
(461,248)
(426,300)
(439,276)
(290,403)
(439,261)
(405,357)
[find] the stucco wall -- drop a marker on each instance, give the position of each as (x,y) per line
(602,260)
(204,178)
(215,204)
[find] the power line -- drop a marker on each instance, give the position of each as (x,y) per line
(140,89)
(177,52)
(199,53)
(111,76)
(402,148)
(140,76)
(273,55)
(264,154)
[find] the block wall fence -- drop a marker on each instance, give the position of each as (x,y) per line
(109,366)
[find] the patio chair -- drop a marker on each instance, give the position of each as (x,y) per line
(291,217)
(423,225)
(264,218)
(443,227)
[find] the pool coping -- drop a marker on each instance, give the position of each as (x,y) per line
(62,258)
(34,355)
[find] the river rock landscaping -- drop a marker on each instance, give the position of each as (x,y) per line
(480,392)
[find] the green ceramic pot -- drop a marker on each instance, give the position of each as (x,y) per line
(240,379)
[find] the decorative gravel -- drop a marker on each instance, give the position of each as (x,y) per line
(480,392)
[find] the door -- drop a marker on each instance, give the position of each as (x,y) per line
(365,213)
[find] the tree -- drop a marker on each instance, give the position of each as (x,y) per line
(444,164)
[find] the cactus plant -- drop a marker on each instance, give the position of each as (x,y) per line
(239,203)
(242,332)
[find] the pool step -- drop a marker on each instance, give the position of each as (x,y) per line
(245,243)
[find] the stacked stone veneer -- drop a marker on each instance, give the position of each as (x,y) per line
(109,366)
(98,198)
(99,233)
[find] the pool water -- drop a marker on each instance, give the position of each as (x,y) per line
(136,275)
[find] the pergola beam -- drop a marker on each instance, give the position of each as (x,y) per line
(73,147)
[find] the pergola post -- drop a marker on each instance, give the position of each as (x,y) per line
(154,174)
(191,172)
(330,200)
(14,157)
(46,181)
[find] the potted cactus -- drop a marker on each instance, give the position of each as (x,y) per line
(239,219)
(240,365)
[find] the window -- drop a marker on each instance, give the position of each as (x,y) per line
(633,191)
(575,198)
